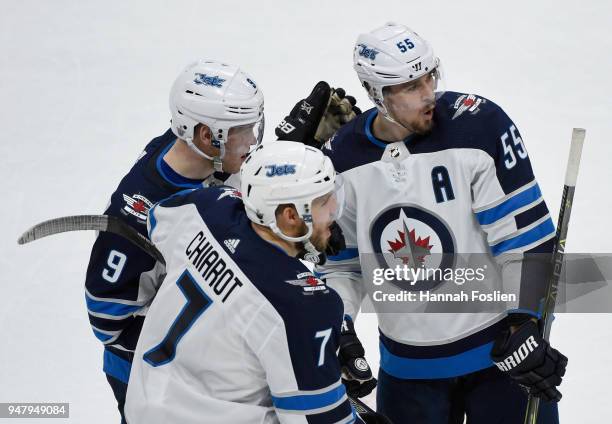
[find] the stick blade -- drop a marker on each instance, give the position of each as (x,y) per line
(64,224)
(573,162)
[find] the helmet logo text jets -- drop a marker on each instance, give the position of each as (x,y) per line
(213,81)
(367,52)
(279,170)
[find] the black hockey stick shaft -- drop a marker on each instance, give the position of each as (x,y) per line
(114,225)
(107,223)
(359,406)
(567,199)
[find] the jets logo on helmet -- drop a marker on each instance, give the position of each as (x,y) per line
(278,170)
(214,81)
(303,175)
(367,52)
(390,55)
(218,95)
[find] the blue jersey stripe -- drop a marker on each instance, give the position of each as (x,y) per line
(368,131)
(152,220)
(116,366)
(536,233)
(110,308)
(101,336)
(508,206)
(446,367)
(170,175)
(348,253)
(309,402)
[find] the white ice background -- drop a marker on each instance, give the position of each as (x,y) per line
(84,86)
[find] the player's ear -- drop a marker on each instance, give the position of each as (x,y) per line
(288,220)
(203,137)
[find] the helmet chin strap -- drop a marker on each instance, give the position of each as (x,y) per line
(308,251)
(216,160)
(385,113)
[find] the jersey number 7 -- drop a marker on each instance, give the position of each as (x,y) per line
(197,303)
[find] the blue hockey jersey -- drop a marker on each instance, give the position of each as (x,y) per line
(239,331)
(467,187)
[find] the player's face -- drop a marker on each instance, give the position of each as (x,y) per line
(412,103)
(324,212)
(239,141)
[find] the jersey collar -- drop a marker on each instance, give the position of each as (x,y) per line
(370,135)
(170,175)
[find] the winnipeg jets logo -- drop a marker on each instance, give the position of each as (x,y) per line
(469,103)
(367,52)
(279,170)
(137,205)
(310,284)
(412,237)
(409,249)
(213,81)
(230,192)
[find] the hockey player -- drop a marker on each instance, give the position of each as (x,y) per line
(217,115)
(452,169)
(241,331)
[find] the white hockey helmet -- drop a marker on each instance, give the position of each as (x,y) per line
(218,95)
(287,172)
(389,55)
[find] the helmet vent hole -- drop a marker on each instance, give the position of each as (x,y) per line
(193,92)
(249,190)
(258,171)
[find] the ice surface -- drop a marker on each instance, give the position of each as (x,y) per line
(84,86)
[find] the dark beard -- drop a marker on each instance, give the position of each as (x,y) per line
(423,129)
(319,244)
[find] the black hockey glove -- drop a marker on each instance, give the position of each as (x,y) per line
(316,118)
(334,246)
(530,361)
(336,241)
(356,372)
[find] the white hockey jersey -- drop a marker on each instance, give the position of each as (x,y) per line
(239,331)
(466,188)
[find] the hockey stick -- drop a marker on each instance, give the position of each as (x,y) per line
(359,406)
(571,174)
(107,223)
(114,225)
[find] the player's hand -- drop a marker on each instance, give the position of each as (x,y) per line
(530,361)
(356,373)
(316,118)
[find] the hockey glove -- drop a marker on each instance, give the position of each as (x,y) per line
(356,372)
(336,242)
(530,361)
(314,119)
